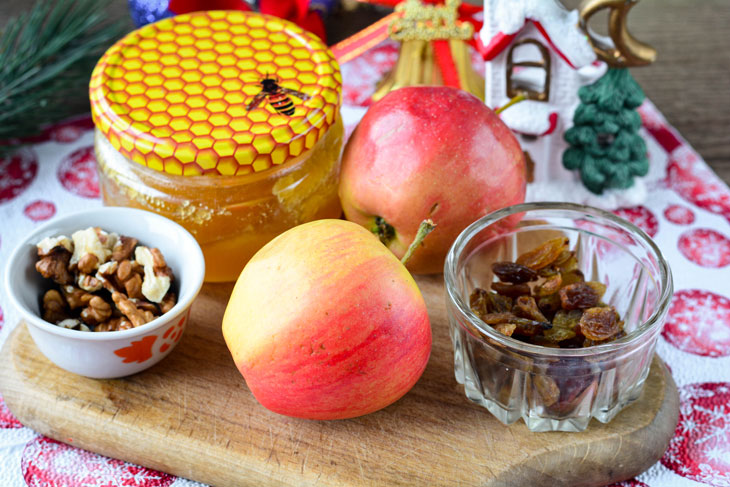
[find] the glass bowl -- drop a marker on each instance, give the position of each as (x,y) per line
(557,389)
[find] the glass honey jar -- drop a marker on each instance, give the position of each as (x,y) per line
(224,121)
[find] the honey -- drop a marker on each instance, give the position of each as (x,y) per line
(226,122)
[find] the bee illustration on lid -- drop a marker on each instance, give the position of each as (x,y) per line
(278,96)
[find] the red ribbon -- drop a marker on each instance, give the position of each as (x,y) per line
(296,11)
(355,45)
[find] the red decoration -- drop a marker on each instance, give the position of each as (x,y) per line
(696,183)
(629,483)
(7,420)
(296,11)
(47,462)
(77,173)
(679,215)
(705,247)
(700,448)
(642,217)
(698,322)
(138,351)
(16,173)
(40,210)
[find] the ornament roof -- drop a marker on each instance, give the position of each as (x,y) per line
(503,21)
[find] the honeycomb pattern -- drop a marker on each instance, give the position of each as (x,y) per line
(172,95)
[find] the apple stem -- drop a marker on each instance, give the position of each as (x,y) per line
(513,101)
(426,227)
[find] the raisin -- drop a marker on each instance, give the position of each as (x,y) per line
(479,301)
(526,307)
(496,318)
(550,286)
(511,290)
(567,319)
(499,303)
(530,328)
(599,324)
(544,299)
(570,264)
(572,277)
(557,335)
(576,342)
(549,305)
(578,296)
(548,271)
(514,273)
(547,389)
(505,328)
(565,326)
(564,257)
(545,254)
(598,287)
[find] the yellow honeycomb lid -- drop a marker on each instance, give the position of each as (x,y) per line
(217,92)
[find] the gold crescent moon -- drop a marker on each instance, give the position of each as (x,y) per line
(625,50)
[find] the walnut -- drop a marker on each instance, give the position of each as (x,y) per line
(76,297)
(96,312)
(123,248)
(49,243)
(88,283)
(114,324)
(73,324)
(88,263)
(107,275)
(168,302)
(108,240)
(128,308)
(54,265)
(88,242)
(160,265)
(54,307)
(154,286)
(146,306)
(129,280)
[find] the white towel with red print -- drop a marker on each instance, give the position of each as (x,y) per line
(687,214)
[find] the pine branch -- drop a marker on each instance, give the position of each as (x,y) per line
(46,58)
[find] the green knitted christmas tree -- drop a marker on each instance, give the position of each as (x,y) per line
(605,145)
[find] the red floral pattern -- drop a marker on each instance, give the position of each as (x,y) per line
(642,217)
(700,449)
(7,420)
(39,210)
(16,173)
(705,247)
(629,483)
(698,322)
(77,173)
(679,215)
(360,75)
(49,463)
(690,177)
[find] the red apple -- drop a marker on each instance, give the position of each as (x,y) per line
(325,323)
(429,152)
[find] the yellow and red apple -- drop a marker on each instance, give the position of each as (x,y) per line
(429,152)
(325,323)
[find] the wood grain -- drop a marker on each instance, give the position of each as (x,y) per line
(193,416)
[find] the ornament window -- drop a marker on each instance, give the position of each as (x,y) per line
(528,70)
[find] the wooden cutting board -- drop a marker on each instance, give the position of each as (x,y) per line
(193,416)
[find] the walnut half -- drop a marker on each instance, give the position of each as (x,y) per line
(154,287)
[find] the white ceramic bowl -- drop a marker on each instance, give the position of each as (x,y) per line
(105,355)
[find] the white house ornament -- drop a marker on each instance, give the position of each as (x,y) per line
(542,50)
